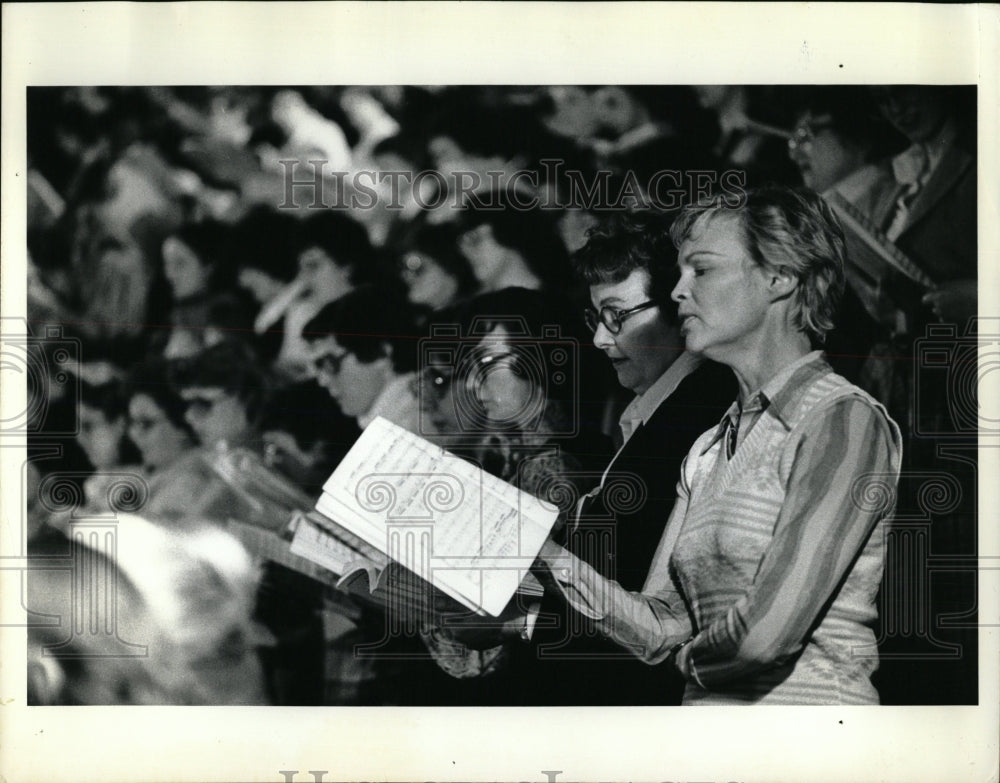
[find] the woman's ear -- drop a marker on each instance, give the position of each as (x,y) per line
(781,284)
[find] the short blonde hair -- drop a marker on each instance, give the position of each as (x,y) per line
(790,230)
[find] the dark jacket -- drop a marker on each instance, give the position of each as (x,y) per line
(618,533)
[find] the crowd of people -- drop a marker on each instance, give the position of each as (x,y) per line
(691,318)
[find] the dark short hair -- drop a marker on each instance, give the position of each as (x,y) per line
(528,314)
(108,397)
(208,240)
(342,238)
(152,378)
(529,232)
(264,239)
(365,321)
(626,241)
(231,365)
(440,242)
(788,229)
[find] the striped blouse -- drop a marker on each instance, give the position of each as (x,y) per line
(764,584)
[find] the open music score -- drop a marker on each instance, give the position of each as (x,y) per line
(395,495)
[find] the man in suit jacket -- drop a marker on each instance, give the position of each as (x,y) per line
(924,199)
(630,266)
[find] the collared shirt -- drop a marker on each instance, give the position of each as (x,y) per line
(764,583)
(742,419)
(912,169)
(641,409)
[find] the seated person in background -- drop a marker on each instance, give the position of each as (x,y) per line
(226,395)
(507,246)
(225,392)
(930,209)
(305,437)
(364,350)
(156,418)
(334,255)
(102,435)
(925,200)
(509,403)
(837,135)
(433,271)
(837,139)
(505,397)
(262,251)
(767,500)
(102,423)
(193,267)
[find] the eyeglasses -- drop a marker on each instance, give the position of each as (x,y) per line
(612,318)
(805,132)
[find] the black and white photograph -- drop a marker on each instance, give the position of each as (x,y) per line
(463,399)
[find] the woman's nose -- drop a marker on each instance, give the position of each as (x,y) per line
(680,290)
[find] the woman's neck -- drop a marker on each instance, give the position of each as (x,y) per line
(754,369)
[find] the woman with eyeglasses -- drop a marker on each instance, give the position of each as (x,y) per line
(763,587)
(505,392)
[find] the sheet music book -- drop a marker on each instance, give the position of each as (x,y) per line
(869,248)
(871,256)
(469,534)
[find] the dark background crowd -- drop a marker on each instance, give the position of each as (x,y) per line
(257,269)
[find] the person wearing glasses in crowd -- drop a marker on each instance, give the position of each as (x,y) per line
(364,352)
(762,589)
(508,399)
